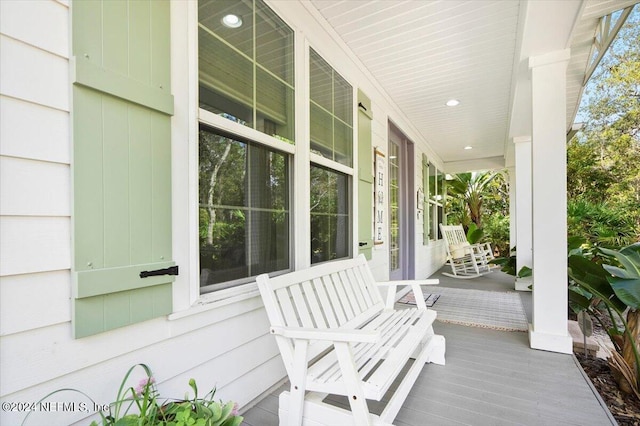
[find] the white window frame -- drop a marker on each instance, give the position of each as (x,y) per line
(241,132)
(316,159)
(187,299)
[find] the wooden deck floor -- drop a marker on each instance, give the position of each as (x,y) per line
(491,378)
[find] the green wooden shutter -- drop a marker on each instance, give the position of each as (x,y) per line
(426,225)
(365,176)
(121,168)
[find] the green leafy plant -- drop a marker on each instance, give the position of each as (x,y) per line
(200,411)
(474,233)
(471,188)
(611,279)
(496,230)
(141,406)
(508,265)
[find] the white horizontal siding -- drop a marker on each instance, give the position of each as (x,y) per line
(34,75)
(32,301)
(34,188)
(250,386)
(34,244)
(29,130)
(43,24)
(35,250)
(256,360)
(49,353)
(215,353)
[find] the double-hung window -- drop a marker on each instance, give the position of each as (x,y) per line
(245,55)
(331,117)
(246,69)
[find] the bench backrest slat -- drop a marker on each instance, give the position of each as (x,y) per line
(325,304)
(314,306)
(351,288)
(327,295)
(299,304)
(331,295)
(334,299)
(288,313)
(359,288)
(341,287)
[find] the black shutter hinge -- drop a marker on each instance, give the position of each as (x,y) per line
(167,271)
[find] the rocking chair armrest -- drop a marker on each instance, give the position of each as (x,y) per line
(331,335)
(477,248)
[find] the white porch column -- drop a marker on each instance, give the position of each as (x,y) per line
(549,173)
(512,207)
(524,248)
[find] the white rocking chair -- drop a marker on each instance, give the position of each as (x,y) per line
(466,260)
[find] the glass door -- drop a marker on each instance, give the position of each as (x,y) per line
(401,206)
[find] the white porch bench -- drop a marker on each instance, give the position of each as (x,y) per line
(334,315)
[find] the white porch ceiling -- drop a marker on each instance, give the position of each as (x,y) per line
(425,52)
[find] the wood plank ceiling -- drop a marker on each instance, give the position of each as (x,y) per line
(424,53)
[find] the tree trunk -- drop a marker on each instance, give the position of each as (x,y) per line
(628,353)
(212,184)
(624,366)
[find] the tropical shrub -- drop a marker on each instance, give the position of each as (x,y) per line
(508,265)
(474,234)
(471,189)
(610,280)
(496,231)
(602,224)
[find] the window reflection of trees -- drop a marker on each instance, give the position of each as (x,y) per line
(329,215)
(244,210)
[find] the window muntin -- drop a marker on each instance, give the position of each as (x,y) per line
(331,112)
(244,214)
(330,217)
(246,74)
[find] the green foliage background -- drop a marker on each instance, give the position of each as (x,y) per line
(603,160)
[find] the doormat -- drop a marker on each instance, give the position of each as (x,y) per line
(409,299)
(478,308)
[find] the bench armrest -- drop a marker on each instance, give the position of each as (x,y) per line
(332,335)
(415,286)
(408,282)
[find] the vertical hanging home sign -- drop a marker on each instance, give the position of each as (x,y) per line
(380,187)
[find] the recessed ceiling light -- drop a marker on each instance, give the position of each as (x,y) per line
(232,21)
(452,102)
(468,147)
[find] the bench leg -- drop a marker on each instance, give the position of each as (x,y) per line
(352,381)
(436,350)
(436,346)
(298,383)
